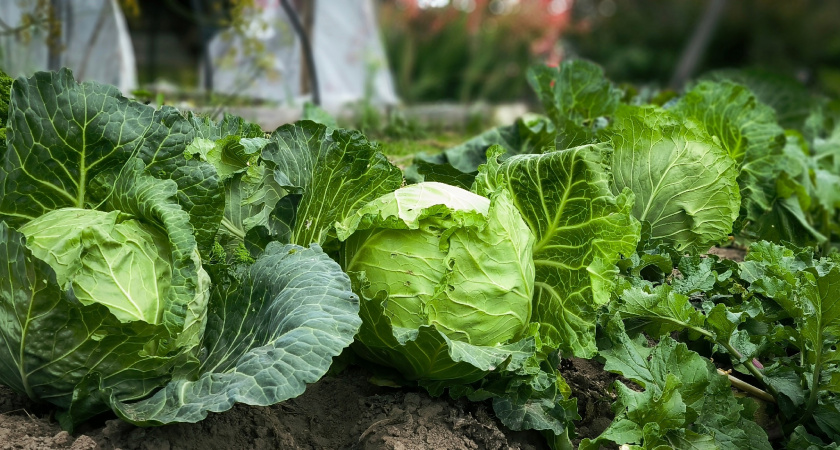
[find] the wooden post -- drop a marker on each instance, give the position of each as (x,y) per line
(306,11)
(698,43)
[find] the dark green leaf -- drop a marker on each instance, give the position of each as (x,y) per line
(335,175)
(272,328)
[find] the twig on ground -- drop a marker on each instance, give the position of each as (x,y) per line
(382,423)
(16,410)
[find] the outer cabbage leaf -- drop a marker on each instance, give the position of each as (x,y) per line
(685,184)
(747,129)
(62,135)
(458,165)
(779,181)
(788,218)
(787,96)
(582,230)
(272,328)
(574,99)
(823,131)
(436,169)
(333,176)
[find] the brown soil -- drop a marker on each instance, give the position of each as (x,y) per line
(734,253)
(592,387)
(341,412)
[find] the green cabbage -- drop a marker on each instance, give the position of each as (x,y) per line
(448,258)
(108,259)
(115,292)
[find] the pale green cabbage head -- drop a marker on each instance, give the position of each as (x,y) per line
(107,258)
(446,257)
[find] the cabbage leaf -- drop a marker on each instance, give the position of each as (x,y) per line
(685,184)
(581,231)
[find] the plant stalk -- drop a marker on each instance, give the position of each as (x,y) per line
(748,388)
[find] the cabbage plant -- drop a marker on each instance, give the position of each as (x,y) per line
(116,291)
(446,281)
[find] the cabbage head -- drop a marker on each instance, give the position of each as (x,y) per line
(440,259)
(115,260)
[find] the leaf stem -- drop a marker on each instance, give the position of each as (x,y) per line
(748,388)
(815,388)
(754,371)
(751,368)
(233,229)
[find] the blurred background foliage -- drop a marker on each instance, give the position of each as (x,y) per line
(642,40)
(478,50)
(469,50)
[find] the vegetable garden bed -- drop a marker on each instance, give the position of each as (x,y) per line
(551,276)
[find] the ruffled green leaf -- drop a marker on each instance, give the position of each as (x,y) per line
(787,96)
(685,183)
(582,230)
(576,99)
(334,175)
(62,135)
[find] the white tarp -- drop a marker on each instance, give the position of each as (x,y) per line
(263,61)
(350,61)
(95,40)
(349,55)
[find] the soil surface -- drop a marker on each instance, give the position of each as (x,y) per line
(592,387)
(338,412)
